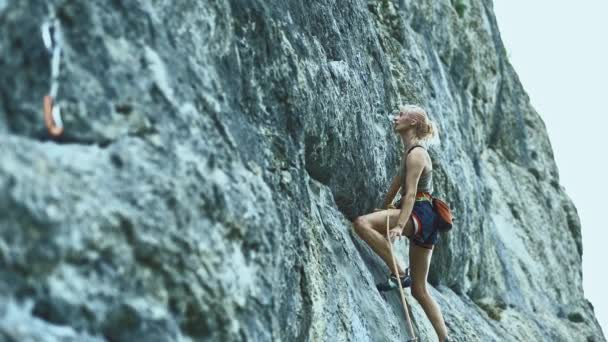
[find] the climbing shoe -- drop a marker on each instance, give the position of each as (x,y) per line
(391,283)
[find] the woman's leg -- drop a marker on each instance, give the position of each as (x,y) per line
(372,229)
(420,260)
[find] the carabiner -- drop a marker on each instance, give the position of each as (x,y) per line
(52,117)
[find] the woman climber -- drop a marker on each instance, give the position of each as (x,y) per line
(414,216)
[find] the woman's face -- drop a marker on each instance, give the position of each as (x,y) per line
(403,120)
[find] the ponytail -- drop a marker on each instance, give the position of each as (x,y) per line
(426,130)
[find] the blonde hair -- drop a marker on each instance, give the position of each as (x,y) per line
(425,128)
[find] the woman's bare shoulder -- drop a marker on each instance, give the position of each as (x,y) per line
(420,156)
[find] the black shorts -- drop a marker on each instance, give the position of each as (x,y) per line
(423,216)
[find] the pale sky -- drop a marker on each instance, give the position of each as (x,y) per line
(560,52)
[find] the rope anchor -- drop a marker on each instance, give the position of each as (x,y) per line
(51,36)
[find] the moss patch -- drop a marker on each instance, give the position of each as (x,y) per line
(459,6)
(494,310)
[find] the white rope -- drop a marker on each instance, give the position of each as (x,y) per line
(403,301)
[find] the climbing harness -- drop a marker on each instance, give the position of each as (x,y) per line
(51,36)
(403,301)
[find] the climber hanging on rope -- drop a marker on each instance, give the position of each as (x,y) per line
(413,217)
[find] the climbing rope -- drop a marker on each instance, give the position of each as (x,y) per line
(403,301)
(51,36)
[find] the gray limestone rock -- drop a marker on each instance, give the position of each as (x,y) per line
(216,152)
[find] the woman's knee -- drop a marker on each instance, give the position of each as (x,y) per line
(360,223)
(419,292)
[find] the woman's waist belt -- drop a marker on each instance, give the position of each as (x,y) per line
(424,196)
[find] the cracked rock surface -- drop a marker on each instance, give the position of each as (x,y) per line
(215,153)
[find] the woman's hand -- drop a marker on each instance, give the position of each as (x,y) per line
(395,233)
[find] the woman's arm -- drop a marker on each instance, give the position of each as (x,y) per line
(392,191)
(414,166)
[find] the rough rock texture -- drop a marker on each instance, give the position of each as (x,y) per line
(216,151)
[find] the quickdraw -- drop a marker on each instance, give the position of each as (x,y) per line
(403,301)
(51,36)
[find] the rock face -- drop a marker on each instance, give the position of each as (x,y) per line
(215,152)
